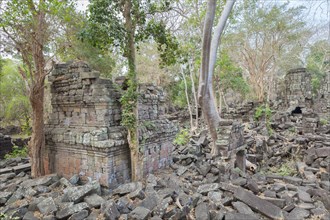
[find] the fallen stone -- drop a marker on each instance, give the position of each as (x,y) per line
(74,179)
(45,181)
(203,189)
(29,216)
(49,217)
(203,168)
(124,205)
(278,202)
(65,213)
(127,188)
(322,152)
(79,215)
(77,194)
(202,211)
(240,181)
(109,208)
(306,206)
(139,213)
(264,207)
(298,213)
(289,207)
(253,186)
(278,188)
(270,194)
(151,201)
(65,182)
(304,196)
(215,197)
(47,206)
(181,170)
(42,189)
(242,208)
(240,216)
(293,180)
(94,200)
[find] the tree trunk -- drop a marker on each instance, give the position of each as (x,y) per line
(193,90)
(37,142)
(209,52)
(188,102)
(133,135)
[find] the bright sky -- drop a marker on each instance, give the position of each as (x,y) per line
(317,11)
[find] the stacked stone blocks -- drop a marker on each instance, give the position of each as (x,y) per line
(83,132)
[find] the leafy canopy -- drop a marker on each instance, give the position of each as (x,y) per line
(106,27)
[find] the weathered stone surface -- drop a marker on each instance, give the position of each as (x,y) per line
(242,208)
(94,200)
(65,213)
(109,208)
(240,216)
(207,188)
(258,204)
(278,202)
(29,216)
(76,194)
(84,136)
(298,213)
(323,152)
(45,180)
(293,180)
(202,211)
(127,188)
(79,215)
(47,206)
(139,213)
(304,196)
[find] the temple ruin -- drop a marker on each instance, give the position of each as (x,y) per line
(83,132)
(298,95)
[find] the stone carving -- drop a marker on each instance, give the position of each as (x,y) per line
(83,131)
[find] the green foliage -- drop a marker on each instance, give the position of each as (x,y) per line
(318,63)
(2,62)
(14,102)
(106,27)
(182,138)
(17,152)
(111,25)
(264,112)
(286,169)
(230,75)
(177,92)
(323,121)
(100,60)
(149,125)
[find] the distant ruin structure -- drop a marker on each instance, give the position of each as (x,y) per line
(84,135)
(298,95)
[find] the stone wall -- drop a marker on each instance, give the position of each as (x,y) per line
(83,132)
(298,92)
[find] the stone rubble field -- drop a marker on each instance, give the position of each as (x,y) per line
(287,177)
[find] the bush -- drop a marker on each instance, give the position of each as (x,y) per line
(17,152)
(182,137)
(323,121)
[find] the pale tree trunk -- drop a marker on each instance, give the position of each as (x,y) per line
(133,135)
(188,102)
(193,90)
(209,54)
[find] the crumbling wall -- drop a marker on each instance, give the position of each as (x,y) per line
(83,132)
(155,131)
(322,103)
(298,92)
